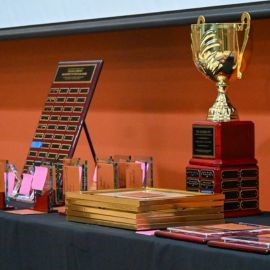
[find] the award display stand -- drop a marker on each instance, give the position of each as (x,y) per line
(64,113)
(223,155)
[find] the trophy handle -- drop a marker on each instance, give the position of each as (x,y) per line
(245,20)
(201,19)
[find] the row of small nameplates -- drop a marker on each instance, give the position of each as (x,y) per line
(52,146)
(203,184)
(52,136)
(61,109)
(237,194)
(234,194)
(225,174)
(50,156)
(243,194)
(240,205)
(57,118)
(72,91)
(66,99)
(41,135)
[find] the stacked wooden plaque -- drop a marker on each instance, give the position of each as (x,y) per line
(143,209)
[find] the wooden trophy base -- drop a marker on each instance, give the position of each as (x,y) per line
(3,205)
(223,162)
(43,203)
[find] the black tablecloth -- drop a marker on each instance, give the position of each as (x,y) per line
(49,242)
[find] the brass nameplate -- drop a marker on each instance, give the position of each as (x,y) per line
(203,142)
(75,73)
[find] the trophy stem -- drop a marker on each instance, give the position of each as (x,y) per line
(222,110)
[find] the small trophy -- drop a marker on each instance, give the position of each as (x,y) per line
(223,146)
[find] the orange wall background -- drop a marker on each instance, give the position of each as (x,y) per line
(148,95)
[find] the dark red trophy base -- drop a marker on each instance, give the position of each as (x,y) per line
(42,203)
(223,162)
(3,205)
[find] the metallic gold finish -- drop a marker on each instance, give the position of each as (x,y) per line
(218,55)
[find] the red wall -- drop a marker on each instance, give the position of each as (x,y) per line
(147,98)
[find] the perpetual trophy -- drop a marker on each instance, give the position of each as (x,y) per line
(223,158)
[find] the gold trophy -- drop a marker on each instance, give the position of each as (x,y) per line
(223,147)
(218,54)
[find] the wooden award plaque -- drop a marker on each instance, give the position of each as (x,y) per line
(64,112)
(144,208)
(223,162)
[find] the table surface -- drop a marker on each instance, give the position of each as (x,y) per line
(50,242)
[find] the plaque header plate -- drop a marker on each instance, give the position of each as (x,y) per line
(75,73)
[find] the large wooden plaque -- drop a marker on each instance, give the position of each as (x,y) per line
(64,112)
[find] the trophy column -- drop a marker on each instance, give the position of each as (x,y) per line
(223,162)
(223,158)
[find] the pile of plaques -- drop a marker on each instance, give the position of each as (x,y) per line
(143,209)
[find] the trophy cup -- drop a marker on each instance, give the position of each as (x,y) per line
(223,146)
